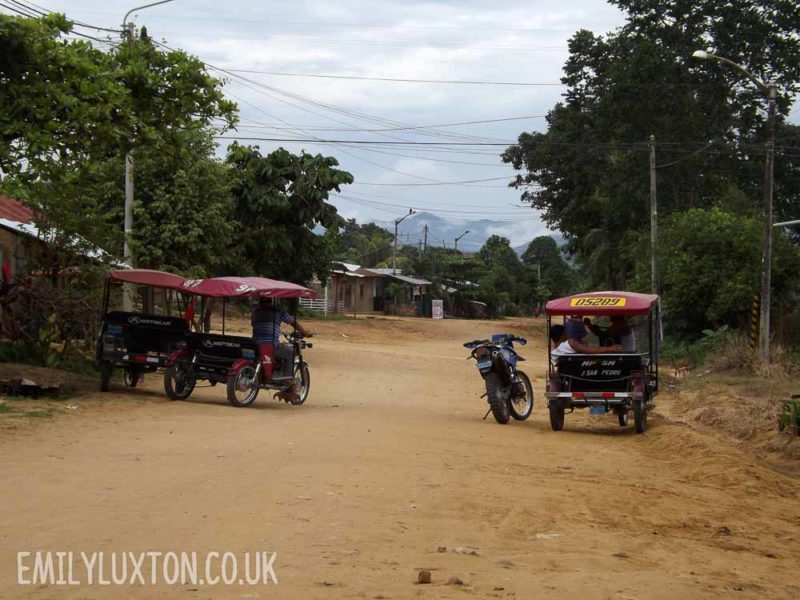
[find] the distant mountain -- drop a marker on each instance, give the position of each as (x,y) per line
(443,231)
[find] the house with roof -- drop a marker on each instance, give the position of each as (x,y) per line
(391,292)
(352,289)
(18,241)
(21,242)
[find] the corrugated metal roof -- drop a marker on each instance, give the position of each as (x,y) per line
(411,280)
(14,210)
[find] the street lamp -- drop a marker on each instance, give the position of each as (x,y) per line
(459,237)
(769,91)
(127,33)
(397,222)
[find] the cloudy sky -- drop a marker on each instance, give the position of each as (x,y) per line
(266,45)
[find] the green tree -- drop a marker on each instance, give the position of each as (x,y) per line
(699,294)
(183,209)
(589,172)
(365,245)
(68,115)
(278,200)
(558,277)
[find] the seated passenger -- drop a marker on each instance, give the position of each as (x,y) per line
(575,342)
(618,333)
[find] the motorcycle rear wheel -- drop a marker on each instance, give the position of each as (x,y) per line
(497,395)
(522,406)
(179,382)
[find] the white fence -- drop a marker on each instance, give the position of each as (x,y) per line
(320,305)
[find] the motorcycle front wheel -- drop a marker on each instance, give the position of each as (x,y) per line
(497,395)
(243,387)
(302,382)
(521,405)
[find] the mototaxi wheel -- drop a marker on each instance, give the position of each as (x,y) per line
(521,406)
(556,408)
(179,381)
(640,415)
(640,408)
(131,377)
(302,382)
(496,393)
(243,387)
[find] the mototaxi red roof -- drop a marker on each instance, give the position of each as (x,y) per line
(148,277)
(246,287)
(609,303)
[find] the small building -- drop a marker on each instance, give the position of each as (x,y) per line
(394,293)
(18,239)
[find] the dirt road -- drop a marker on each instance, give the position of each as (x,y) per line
(388,461)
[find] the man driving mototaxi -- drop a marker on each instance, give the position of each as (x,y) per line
(266,320)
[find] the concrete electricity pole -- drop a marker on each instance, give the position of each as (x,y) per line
(653,219)
(128,33)
(425,244)
(769,91)
(396,223)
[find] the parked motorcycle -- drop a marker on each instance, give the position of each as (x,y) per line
(508,389)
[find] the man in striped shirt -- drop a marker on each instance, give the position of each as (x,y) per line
(267,319)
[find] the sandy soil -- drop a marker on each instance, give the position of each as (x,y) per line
(388,461)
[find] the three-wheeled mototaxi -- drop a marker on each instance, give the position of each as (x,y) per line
(617,382)
(140,340)
(239,362)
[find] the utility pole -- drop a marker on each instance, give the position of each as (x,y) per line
(770,92)
(425,244)
(127,254)
(126,248)
(459,237)
(653,219)
(396,223)
(766,260)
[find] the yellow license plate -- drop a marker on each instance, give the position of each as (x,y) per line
(597,301)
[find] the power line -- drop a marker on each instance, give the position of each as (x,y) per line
(480,122)
(435,183)
(398,143)
(400,80)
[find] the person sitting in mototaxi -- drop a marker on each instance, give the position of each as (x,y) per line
(618,333)
(572,340)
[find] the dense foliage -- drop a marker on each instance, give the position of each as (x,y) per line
(589,172)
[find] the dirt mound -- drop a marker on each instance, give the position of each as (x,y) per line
(743,410)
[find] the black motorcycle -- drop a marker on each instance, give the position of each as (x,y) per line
(508,389)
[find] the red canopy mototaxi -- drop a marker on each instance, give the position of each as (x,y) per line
(608,303)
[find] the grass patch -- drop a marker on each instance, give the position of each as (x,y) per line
(5,408)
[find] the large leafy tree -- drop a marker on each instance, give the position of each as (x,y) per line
(183,207)
(365,245)
(588,173)
(60,101)
(557,277)
(68,115)
(698,294)
(279,199)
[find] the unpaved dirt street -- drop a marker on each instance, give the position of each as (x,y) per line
(388,461)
